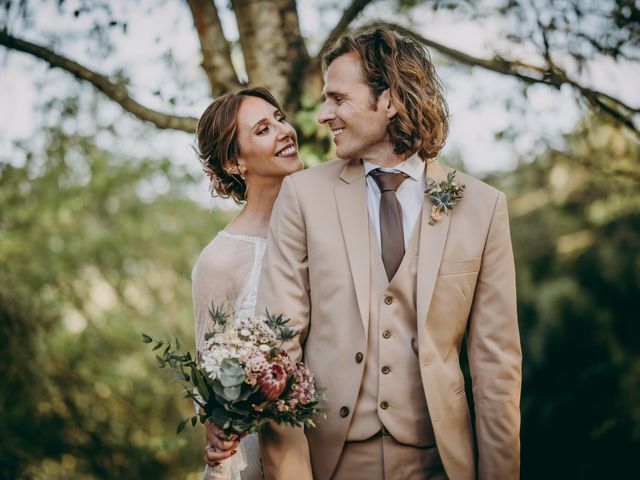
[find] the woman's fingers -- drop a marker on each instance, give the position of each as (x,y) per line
(220,433)
(221,444)
(215,437)
(212,455)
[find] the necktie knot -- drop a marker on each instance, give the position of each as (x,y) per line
(387,181)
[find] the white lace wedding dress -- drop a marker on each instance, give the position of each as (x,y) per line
(228,271)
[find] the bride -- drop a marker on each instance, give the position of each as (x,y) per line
(246,147)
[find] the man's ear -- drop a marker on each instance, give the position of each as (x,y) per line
(385,103)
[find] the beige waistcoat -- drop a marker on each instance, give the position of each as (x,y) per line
(391,393)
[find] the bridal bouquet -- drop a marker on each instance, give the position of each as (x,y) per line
(243,378)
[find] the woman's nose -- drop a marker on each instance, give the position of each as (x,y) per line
(286,130)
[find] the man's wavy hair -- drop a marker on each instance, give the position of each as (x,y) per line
(403,66)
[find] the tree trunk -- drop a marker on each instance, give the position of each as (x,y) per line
(274,51)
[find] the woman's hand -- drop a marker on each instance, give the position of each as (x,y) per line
(218,446)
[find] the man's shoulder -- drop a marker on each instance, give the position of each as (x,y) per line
(475,188)
(328,170)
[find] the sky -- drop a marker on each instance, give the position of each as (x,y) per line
(476,98)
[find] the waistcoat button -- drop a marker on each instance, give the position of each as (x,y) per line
(386,370)
(359,357)
(344,411)
(386,334)
(384,405)
(388,300)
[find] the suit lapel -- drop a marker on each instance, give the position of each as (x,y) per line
(351,201)
(431,249)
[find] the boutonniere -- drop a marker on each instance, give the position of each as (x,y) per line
(444,195)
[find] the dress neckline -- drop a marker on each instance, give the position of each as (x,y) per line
(239,236)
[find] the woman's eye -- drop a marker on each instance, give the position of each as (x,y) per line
(264,130)
(282,118)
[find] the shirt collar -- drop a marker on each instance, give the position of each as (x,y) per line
(412,166)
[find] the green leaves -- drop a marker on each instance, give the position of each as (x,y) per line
(218,316)
(184,423)
(231,372)
(200,383)
(232,393)
(278,323)
(104,228)
(231,377)
(221,418)
(181,425)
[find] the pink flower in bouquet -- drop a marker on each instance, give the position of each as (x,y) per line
(283,359)
(272,381)
(303,390)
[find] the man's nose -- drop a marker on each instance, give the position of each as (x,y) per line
(325,114)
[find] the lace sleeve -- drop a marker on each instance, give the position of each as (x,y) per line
(224,273)
(218,277)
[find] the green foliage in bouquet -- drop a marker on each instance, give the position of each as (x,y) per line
(254,384)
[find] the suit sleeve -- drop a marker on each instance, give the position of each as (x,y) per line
(284,288)
(495,356)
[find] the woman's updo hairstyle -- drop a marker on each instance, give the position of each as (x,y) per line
(217,142)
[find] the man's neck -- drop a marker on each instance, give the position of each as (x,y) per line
(388,161)
(384,157)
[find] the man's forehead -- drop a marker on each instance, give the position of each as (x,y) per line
(342,75)
(331,92)
(348,64)
(331,87)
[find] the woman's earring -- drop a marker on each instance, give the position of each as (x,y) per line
(242,172)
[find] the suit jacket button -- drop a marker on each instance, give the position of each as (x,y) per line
(344,411)
(386,370)
(359,357)
(388,300)
(384,405)
(386,334)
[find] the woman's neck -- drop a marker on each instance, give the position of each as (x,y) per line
(254,217)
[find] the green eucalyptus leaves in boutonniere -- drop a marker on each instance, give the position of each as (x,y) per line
(444,195)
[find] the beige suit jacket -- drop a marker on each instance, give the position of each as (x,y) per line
(316,271)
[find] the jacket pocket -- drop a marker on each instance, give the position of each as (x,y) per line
(457,267)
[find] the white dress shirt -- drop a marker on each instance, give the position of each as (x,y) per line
(410,195)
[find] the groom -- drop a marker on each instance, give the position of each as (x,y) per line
(383,287)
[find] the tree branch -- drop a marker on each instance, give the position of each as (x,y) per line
(216,56)
(348,16)
(117,93)
(552,76)
(314,67)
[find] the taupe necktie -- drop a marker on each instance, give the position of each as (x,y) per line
(391,231)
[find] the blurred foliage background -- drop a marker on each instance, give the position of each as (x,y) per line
(97,241)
